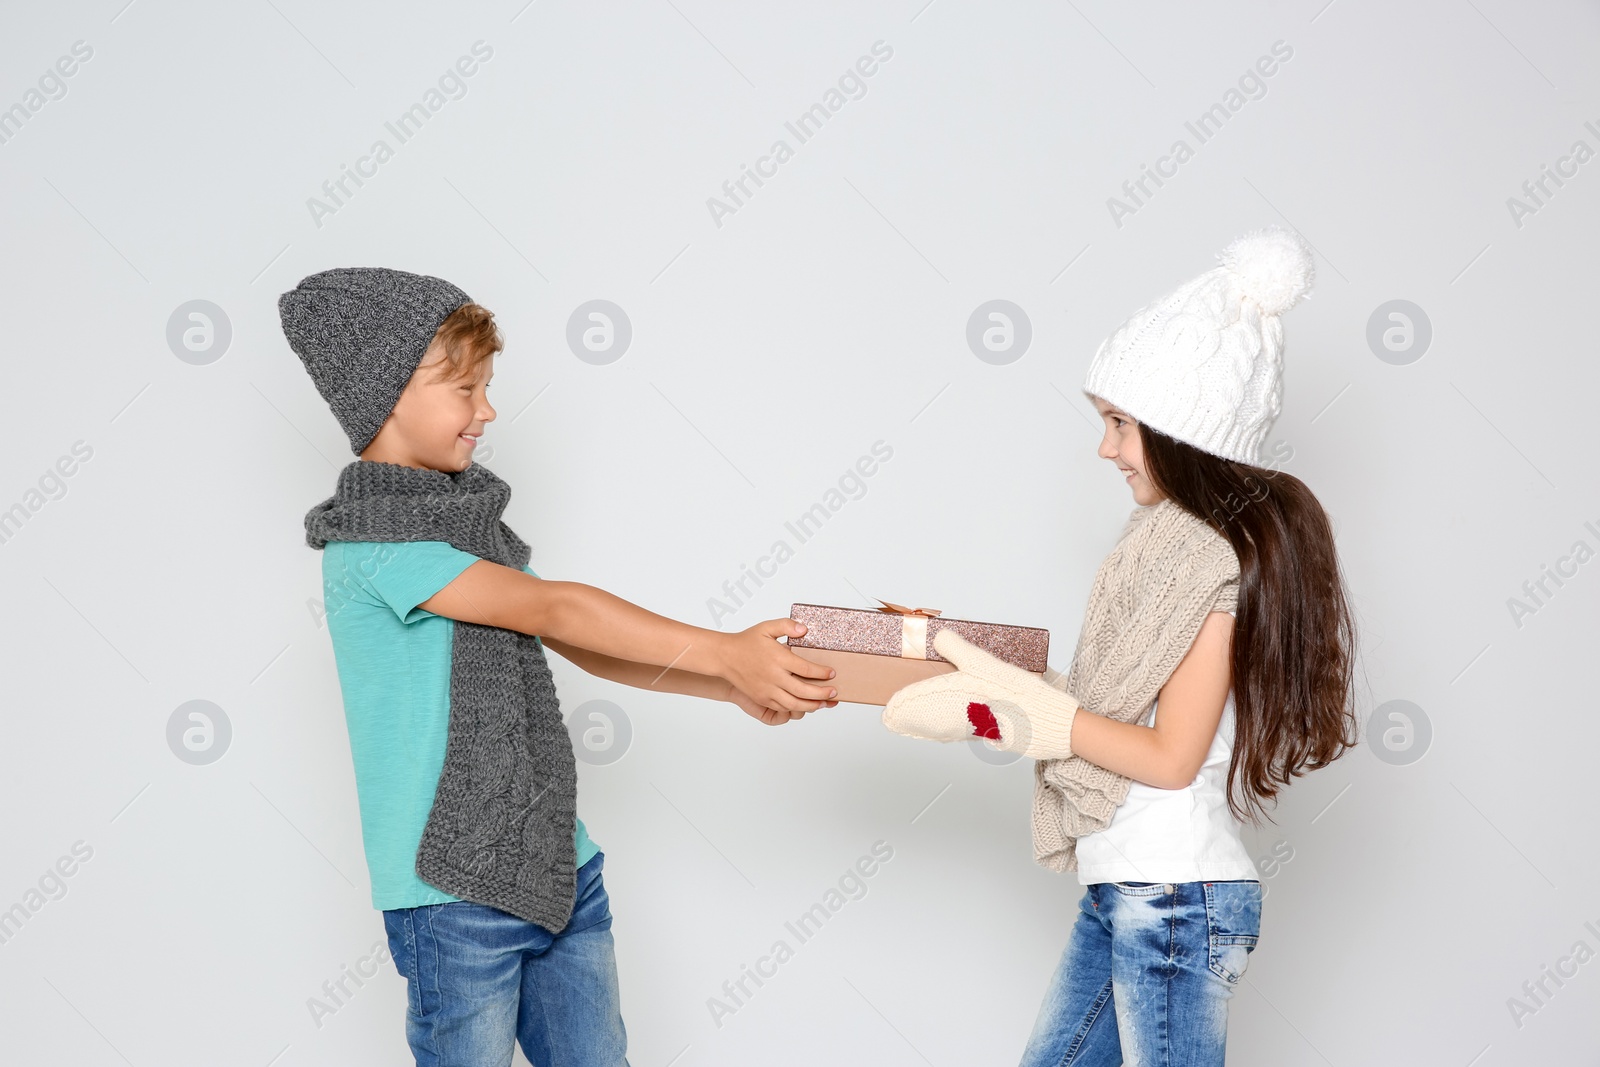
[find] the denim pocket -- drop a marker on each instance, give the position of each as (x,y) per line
(1233,926)
(1143,889)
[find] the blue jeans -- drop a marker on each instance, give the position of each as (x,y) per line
(479,979)
(1147,974)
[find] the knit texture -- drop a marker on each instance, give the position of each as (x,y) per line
(1150,596)
(361,332)
(984,697)
(501,828)
(1204,364)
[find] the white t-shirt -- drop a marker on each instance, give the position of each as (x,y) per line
(1173,835)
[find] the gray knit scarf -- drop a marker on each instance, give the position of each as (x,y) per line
(501,828)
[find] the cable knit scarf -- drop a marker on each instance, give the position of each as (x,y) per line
(501,828)
(1168,570)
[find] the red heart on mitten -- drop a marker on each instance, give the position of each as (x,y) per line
(983,721)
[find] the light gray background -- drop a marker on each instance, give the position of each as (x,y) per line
(768,354)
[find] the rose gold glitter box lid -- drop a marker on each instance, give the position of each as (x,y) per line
(881,633)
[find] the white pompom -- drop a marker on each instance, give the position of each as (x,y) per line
(1273,266)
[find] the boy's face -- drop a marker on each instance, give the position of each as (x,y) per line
(436,423)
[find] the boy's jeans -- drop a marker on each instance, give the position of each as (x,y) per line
(479,979)
(1147,974)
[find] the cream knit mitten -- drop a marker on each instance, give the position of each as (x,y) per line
(985,697)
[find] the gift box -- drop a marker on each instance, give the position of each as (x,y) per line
(879,651)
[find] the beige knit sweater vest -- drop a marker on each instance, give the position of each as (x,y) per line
(1149,598)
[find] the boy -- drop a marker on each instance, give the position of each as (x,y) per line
(489,885)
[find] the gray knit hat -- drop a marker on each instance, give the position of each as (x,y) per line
(361,332)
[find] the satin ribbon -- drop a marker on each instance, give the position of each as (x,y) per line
(913,628)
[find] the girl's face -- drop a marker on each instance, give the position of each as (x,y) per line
(1121,446)
(436,424)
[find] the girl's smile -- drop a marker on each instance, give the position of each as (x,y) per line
(1123,446)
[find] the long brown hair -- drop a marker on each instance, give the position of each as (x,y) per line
(1293,655)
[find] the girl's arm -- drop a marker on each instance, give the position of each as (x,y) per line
(1169,754)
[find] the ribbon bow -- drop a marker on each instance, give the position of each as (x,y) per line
(913,628)
(900,609)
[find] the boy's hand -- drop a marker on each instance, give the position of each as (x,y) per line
(770,716)
(768,673)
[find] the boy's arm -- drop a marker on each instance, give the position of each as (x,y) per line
(670,680)
(643,675)
(581,615)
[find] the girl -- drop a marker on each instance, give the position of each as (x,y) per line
(1222,604)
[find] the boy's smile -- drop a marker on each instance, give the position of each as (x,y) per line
(437,421)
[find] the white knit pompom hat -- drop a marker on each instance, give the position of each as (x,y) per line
(1204,364)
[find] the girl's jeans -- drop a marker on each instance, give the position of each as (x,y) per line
(1147,974)
(479,979)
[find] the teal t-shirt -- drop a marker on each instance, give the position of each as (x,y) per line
(393,659)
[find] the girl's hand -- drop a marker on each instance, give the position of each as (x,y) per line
(953,707)
(985,697)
